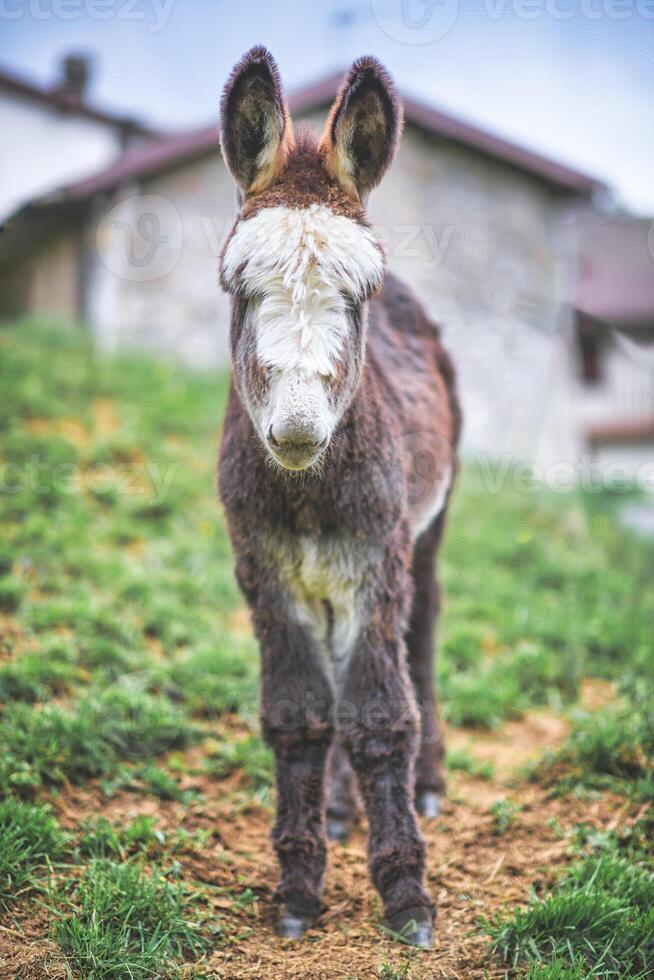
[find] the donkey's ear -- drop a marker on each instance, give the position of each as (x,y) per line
(363,128)
(256,132)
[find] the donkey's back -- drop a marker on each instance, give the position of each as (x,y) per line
(405,347)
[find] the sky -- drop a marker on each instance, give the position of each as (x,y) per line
(572,79)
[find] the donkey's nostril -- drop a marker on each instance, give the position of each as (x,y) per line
(308,439)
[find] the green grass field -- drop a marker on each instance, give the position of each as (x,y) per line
(127,670)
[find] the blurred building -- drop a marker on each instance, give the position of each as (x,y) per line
(494,238)
(613,387)
(54,135)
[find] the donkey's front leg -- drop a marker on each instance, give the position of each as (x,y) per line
(296,722)
(380,725)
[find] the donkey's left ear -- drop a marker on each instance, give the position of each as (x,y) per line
(256,133)
(363,128)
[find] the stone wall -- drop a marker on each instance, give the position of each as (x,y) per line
(484,246)
(152,276)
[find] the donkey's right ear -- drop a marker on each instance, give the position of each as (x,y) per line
(256,133)
(363,128)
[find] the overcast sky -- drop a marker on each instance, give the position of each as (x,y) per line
(573,79)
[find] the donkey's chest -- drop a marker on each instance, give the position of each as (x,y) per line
(325,581)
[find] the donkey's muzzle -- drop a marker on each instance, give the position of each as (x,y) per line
(296,447)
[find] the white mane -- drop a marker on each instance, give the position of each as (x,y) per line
(301,265)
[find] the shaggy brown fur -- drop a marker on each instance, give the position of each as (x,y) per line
(253,98)
(395,443)
(303,182)
(367,111)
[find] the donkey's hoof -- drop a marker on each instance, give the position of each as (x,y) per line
(338,828)
(291,926)
(414,927)
(428,804)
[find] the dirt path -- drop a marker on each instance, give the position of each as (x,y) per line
(474,871)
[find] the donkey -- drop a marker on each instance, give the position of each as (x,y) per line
(336,464)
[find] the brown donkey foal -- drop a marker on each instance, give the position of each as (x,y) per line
(335,469)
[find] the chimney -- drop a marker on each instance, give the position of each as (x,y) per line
(75,72)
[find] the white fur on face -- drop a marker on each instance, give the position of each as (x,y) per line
(302,265)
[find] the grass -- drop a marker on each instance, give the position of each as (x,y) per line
(599,919)
(38,676)
(30,837)
(219,677)
(102,839)
(462,760)
(113,541)
(124,641)
(388,971)
(52,744)
(124,922)
(556,969)
(140,836)
(555,592)
(612,748)
(504,814)
(249,756)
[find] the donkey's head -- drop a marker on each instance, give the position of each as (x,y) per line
(302,260)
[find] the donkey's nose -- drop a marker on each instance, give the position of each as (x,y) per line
(293,436)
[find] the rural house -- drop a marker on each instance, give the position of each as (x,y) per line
(487,232)
(56,135)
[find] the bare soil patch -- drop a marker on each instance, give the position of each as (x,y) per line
(473,871)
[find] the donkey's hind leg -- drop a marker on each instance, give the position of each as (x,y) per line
(342,795)
(420,639)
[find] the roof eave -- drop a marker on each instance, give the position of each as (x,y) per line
(62,103)
(158,157)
